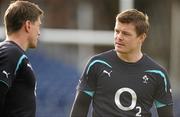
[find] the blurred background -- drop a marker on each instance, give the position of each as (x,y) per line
(74,30)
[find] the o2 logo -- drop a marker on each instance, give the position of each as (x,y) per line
(133,102)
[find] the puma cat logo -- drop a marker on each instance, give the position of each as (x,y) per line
(108,73)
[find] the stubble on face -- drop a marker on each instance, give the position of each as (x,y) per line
(126,40)
(33,41)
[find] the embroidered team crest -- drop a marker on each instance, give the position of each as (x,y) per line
(145,79)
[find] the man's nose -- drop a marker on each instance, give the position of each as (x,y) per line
(120,36)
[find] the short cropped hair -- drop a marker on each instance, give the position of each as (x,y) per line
(139,19)
(19,12)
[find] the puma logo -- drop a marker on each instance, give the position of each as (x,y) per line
(7,74)
(29,66)
(108,73)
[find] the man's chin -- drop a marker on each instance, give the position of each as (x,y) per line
(121,51)
(33,46)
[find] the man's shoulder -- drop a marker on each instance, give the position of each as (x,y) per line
(105,54)
(153,63)
(101,57)
(10,50)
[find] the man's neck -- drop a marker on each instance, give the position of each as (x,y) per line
(19,40)
(130,58)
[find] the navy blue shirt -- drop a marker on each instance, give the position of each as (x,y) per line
(121,89)
(17,82)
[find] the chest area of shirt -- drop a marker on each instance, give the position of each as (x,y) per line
(112,79)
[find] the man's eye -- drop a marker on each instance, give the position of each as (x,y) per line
(116,31)
(125,33)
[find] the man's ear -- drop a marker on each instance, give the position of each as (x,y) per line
(143,37)
(27,26)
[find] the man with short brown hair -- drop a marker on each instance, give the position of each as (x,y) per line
(22,21)
(124,82)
